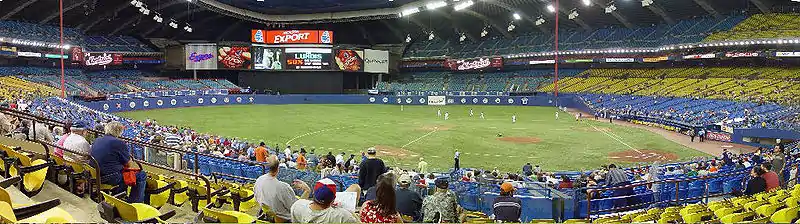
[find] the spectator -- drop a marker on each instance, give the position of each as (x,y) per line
(60,142)
(278,195)
(383,208)
(455,157)
(22,130)
(409,203)
(757,184)
(321,210)
(348,165)
(41,132)
(778,162)
(313,160)
(261,153)
(565,183)
(615,178)
(77,143)
(422,166)
(251,152)
(527,169)
(370,169)
(442,206)
(506,207)
(287,153)
(770,177)
(301,160)
(112,157)
(536,169)
(340,158)
(331,158)
(172,139)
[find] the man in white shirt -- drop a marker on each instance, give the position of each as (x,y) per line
(41,132)
(76,142)
(455,157)
(340,158)
(287,152)
(322,208)
(279,196)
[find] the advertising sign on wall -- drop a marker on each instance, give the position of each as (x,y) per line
(437,100)
(350,60)
(99,59)
(268,58)
(787,54)
(742,54)
(620,60)
(376,61)
(716,136)
(308,58)
(700,56)
(56,56)
(579,60)
(77,54)
(541,62)
(656,59)
(234,57)
(291,36)
(201,56)
(29,54)
(474,64)
(8,51)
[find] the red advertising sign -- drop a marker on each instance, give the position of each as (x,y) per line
(99,59)
(474,64)
(722,137)
(291,36)
(77,54)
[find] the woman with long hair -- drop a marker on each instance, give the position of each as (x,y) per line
(384,208)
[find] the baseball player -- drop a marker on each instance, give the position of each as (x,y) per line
(446,115)
(439,113)
(482,115)
(514,119)
(556,115)
(470,112)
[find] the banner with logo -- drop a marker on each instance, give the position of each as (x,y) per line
(787,54)
(700,56)
(656,59)
(579,60)
(716,136)
(29,54)
(376,61)
(350,60)
(100,59)
(742,54)
(620,60)
(268,58)
(437,100)
(56,56)
(201,56)
(234,57)
(542,62)
(77,54)
(8,51)
(474,64)
(308,58)
(291,36)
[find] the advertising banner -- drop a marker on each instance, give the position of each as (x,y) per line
(579,60)
(29,54)
(8,51)
(787,54)
(268,58)
(350,60)
(291,36)
(376,61)
(716,136)
(56,56)
(201,56)
(656,59)
(542,62)
(77,54)
(308,58)
(437,100)
(742,54)
(620,60)
(474,64)
(700,56)
(234,57)
(100,59)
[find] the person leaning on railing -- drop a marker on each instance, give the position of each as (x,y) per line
(112,157)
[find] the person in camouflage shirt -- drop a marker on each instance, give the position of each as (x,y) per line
(441,206)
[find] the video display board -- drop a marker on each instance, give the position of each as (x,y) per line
(350,60)
(201,56)
(291,36)
(268,58)
(234,57)
(308,58)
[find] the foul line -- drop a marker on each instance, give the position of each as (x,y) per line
(612,137)
(316,132)
(421,137)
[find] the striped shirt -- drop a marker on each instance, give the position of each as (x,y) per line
(172,140)
(507,209)
(616,176)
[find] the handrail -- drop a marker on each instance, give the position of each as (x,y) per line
(592,191)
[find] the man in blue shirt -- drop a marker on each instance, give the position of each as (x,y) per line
(112,157)
(251,152)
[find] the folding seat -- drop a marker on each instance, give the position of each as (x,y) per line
(116,210)
(751,206)
(157,192)
(737,217)
(726,211)
(215,216)
(698,217)
(646,218)
(94,182)
(768,209)
(786,215)
(178,194)
(199,195)
(33,172)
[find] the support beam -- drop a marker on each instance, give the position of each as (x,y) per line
(228,30)
(659,11)
(709,8)
(55,14)
(181,15)
(501,29)
(20,7)
(761,6)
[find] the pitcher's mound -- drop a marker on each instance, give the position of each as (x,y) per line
(383,150)
(644,156)
(525,140)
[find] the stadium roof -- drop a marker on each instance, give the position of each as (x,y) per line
(361,21)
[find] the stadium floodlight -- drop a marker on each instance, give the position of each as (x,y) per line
(409,11)
(511,27)
(173,24)
(408,38)
(574,14)
(431,36)
(539,21)
(484,32)
(435,5)
(587,2)
(646,3)
(66,46)
(517,16)
(146,11)
(462,38)
(551,8)
(610,8)
(133,2)
(463,5)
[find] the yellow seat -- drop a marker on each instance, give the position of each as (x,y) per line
(199,195)
(629,217)
(674,217)
(692,209)
(760,220)
(157,191)
(178,192)
(655,211)
(134,212)
(575,221)
(736,217)
(610,219)
(698,217)
(33,172)
(227,216)
(778,199)
(35,213)
(751,206)
(786,215)
(93,177)
(726,211)
(408,219)
(741,201)
(646,218)
(244,199)
(714,206)
(768,210)
(792,201)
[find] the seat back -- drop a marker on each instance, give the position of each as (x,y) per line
(158,200)
(4,196)
(221,217)
(126,211)
(785,215)
(7,213)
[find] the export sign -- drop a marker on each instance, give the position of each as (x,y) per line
(291,36)
(474,64)
(91,59)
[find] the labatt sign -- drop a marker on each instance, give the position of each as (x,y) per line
(292,36)
(102,59)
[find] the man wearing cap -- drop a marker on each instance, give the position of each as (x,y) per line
(76,142)
(408,202)
(370,169)
(506,207)
(442,206)
(321,209)
(422,166)
(278,195)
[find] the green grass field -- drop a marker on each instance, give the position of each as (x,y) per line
(564,144)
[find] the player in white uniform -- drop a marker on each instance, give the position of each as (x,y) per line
(577,117)
(556,115)
(514,119)
(446,115)
(482,115)
(470,112)
(439,113)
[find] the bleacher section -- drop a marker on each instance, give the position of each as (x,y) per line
(685,31)
(518,81)
(771,25)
